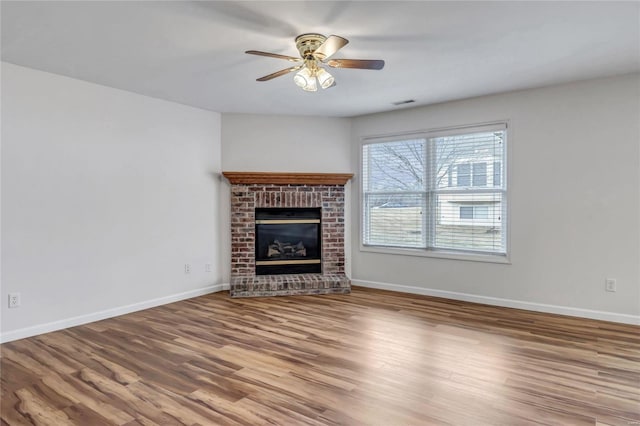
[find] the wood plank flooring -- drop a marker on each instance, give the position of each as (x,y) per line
(369,358)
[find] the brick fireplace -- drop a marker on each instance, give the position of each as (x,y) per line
(279,192)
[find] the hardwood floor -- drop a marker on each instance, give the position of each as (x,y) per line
(372,357)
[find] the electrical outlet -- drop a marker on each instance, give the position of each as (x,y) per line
(207,267)
(187,268)
(14,300)
(610,284)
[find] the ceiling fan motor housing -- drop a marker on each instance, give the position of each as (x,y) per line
(309,43)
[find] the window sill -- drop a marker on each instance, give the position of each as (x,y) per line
(439,254)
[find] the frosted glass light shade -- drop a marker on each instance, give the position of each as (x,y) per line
(311,85)
(303,77)
(324,78)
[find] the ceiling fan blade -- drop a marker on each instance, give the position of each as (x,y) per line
(366,64)
(331,45)
(279,73)
(273,55)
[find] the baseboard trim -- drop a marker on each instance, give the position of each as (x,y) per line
(107,313)
(507,303)
(494,301)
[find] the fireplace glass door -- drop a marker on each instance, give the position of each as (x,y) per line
(288,241)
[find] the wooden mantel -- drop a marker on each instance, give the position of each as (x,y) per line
(288,178)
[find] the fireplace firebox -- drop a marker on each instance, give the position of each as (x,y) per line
(288,241)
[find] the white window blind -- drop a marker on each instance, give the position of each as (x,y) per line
(439,191)
(394,199)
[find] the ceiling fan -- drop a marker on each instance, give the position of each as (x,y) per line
(315,51)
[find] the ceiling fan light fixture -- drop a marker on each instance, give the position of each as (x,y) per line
(311,86)
(306,80)
(302,77)
(325,79)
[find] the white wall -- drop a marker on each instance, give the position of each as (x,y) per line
(575,205)
(277,143)
(105,196)
(272,143)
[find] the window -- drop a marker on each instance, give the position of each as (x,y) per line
(479,174)
(464,174)
(497,170)
(436,191)
(466,212)
(470,174)
(474,212)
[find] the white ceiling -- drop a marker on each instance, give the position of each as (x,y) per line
(193,52)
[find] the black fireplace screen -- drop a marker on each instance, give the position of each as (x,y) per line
(288,241)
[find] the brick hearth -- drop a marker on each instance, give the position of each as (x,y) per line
(286,190)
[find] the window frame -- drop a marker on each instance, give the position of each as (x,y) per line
(430,134)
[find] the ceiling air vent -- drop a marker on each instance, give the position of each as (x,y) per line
(408,101)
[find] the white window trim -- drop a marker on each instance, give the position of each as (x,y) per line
(440,253)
